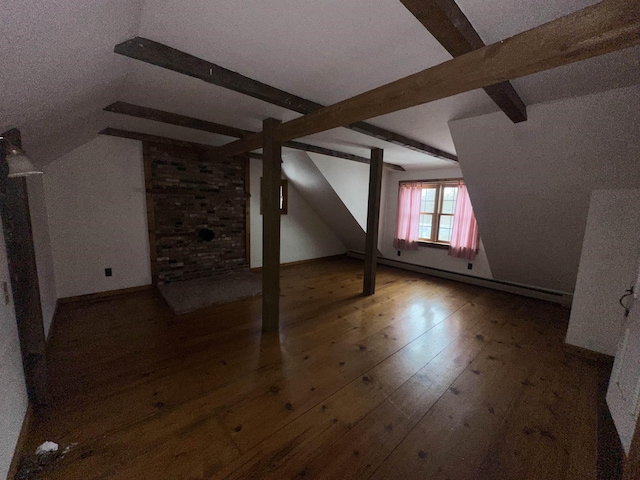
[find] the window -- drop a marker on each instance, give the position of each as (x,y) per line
(284,196)
(438,214)
(437,207)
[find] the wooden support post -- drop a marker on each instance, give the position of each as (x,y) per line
(16,222)
(373,220)
(151,211)
(271,228)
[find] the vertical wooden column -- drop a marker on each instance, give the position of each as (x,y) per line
(151,211)
(16,222)
(373,220)
(632,462)
(271,174)
(247,209)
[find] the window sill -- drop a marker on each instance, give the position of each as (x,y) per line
(440,246)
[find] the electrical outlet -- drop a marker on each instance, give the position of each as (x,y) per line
(469,266)
(398,252)
(108,272)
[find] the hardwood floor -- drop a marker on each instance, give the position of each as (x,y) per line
(427,379)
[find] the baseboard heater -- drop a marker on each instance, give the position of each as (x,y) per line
(563,298)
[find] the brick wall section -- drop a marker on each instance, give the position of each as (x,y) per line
(190,194)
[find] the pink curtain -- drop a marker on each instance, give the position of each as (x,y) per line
(464,236)
(408,216)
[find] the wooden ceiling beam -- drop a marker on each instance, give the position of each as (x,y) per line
(148,113)
(155,53)
(605,27)
(336,153)
(156,115)
(173,142)
(450,26)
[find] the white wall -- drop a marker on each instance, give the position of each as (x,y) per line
(530,183)
(13,391)
(424,256)
(608,267)
(350,180)
(42,247)
(97,217)
(315,189)
(303,234)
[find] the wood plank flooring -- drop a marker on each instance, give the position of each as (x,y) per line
(428,379)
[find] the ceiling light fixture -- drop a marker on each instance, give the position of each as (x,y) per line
(19,163)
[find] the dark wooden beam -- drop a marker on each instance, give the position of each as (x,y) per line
(446,22)
(164,56)
(23,272)
(336,153)
(175,119)
(401,140)
(146,137)
(373,221)
(605,27)
(151,212)
(211,127)
(270,192)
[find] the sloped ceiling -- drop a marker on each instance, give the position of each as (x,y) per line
(60,69)
(530,183)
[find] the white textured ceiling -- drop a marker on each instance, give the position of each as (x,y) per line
(58,68)
(63,69)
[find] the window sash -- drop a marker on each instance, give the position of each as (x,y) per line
(437,214)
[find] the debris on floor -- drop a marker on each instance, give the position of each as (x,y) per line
(47,447)
(46,457)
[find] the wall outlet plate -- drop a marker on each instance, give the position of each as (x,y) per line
(108,272)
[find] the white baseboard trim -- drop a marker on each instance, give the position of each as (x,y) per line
(563,298)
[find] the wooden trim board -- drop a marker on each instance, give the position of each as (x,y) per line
(562,298)
(589,354)
(20,451)
(99,295)
(302,262)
